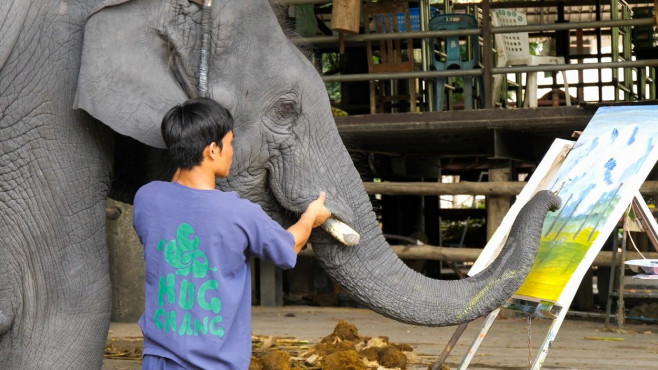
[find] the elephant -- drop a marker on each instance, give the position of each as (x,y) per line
(75,72)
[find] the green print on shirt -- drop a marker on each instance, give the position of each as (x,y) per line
(184,255)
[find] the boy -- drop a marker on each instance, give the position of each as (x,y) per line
(197,242)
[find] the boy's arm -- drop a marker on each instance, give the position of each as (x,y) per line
(315,215)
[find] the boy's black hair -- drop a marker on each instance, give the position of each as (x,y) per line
(191,126)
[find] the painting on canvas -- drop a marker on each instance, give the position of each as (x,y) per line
(596,182)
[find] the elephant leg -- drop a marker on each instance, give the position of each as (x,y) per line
(55,294)
(61,290)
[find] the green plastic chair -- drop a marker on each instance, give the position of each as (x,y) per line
(447,54)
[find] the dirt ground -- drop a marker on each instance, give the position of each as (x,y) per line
(510,343)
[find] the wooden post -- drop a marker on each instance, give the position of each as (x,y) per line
(497,206)
(271,284)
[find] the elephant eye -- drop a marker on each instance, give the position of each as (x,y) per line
(285,109)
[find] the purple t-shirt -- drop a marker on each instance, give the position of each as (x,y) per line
(197,245)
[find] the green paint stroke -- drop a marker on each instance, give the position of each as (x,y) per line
(485,290)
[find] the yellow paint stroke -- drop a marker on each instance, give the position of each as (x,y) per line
(557,259)
(605,338)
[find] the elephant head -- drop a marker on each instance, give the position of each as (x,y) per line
(287,147)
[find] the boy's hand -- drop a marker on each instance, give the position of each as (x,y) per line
(318,211)
(315,215)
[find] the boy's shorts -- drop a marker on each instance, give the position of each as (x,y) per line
(151,362)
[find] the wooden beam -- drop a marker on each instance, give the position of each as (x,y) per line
(429,252)
(473,188)
(441,188)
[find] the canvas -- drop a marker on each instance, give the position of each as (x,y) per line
(597,182)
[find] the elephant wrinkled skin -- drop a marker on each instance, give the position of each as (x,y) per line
(139,59)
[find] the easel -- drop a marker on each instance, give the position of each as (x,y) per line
(551,162)
(548,168)
(570,239)
(552,310)
(645,222)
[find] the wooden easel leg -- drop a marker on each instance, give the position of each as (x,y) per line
(448,348)
(620,289)
(476,343)
(611,284)
(646,217)
(548,341)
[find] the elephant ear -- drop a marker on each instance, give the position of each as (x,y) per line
(125,77)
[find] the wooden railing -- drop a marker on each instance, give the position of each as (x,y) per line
(436,253)
(503,188)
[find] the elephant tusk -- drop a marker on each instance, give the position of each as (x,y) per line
(341,232)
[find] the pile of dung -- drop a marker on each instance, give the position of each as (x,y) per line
(343,349)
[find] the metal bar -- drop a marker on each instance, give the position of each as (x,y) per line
(317,40)
(388,36)
(546,3)
(652,88)
(599,55)
(577,67)
(627,54)
(427,59)
(401,75)
(487,56)
(575,25)
(496,70)
(580,91)
(510,4)
(614,47)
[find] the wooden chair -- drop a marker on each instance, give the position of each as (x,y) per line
(394,55)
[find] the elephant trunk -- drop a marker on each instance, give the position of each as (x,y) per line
(374,275)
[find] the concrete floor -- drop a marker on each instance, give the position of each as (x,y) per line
(580,344)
